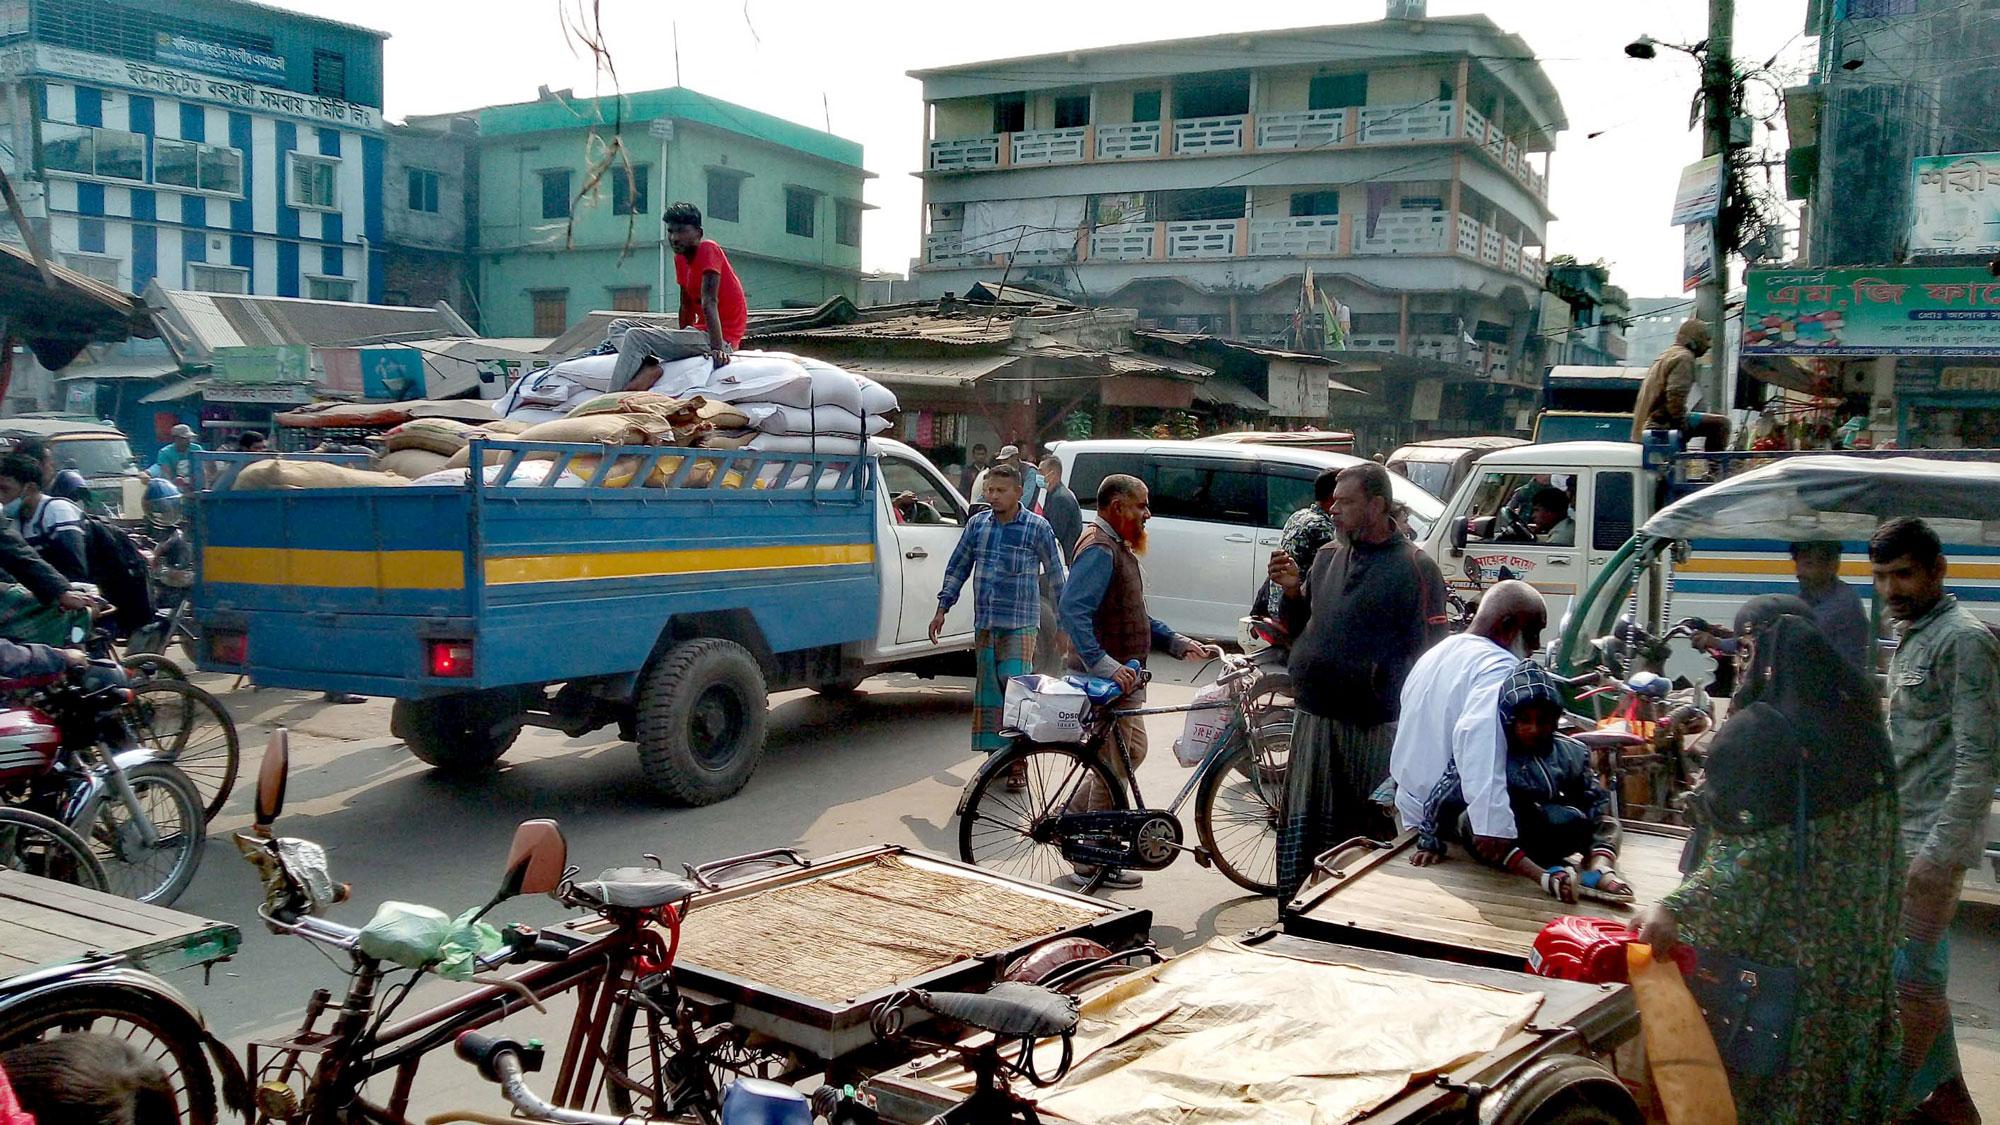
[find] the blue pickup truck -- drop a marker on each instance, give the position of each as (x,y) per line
(670,612)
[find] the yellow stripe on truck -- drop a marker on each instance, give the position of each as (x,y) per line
(1779,564)
(344,570)
(522,569)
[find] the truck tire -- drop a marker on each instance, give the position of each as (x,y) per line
(701,721)
(453,733)
(840,689)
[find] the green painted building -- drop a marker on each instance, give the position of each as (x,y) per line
(783,199)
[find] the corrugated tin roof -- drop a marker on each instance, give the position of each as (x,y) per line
(125,369)
(929,371)
(1227,392)
(203,322)
(971,331)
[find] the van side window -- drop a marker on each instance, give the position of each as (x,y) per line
(916,497)
(1612,512)
(1503,509)
(1089,470)
(1194,490)
(1286,494)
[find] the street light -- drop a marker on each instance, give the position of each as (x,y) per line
(1642,48)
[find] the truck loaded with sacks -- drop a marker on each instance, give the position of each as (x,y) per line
(659,561)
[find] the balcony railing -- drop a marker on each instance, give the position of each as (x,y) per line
(1401,232)
(1490,244)
(1049,146)
(1468,236)
(1476,126)
(1535,271)
(1443,348)
(1391,124)
(1510,256)
(965,154)
(949,248)
(1205,238)
(1126,242)
(1210,134)
(1314,128)
(1295,236)
(1373,343)
(1124,142)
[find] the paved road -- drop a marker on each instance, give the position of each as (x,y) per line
(885,766)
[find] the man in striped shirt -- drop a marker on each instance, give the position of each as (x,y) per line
(1011,551)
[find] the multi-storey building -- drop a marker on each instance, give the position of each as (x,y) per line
(429,193)
(1583,317)
(215,145)
(562,232)
(1403,162)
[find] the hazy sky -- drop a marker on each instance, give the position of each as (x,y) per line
(814,62)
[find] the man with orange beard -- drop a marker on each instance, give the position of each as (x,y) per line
(1104,614)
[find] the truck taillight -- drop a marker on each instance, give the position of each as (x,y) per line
(451,659)
(228,647)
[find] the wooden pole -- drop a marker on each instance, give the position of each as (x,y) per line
(27,232)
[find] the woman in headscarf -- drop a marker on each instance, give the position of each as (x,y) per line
(1804,743)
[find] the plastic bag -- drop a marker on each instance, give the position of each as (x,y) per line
(1045,709)
(1204,725)
(422,937)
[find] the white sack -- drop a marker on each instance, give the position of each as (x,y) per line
(1045,709)
(1204,725)
(823,421)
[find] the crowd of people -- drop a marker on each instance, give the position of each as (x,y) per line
(1832,841)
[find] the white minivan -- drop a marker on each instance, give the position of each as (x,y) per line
(1217,511)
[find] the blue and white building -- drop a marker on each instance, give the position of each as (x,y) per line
(211,145)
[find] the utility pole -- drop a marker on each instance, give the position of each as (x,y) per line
(1718,92)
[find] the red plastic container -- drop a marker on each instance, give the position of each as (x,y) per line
(1578,947)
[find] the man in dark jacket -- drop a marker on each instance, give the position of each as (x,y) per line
(1363,615)
(1663,397)
(1560,810)
(1058,506)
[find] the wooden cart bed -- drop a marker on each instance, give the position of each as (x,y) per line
(1461,910)
(44,924)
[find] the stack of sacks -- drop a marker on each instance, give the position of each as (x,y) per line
(552,392)
(793,404)
(280,474)
(603,428)
(422,446)
(528,474)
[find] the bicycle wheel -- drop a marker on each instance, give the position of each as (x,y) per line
(1010,811)
(1236,811)
(648,1075)
(193,730)
(144,667)
(34,844)
(158,872)
(161,1030)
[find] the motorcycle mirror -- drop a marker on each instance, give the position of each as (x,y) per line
(536,860)
(271,778)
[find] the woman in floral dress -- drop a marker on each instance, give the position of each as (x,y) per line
(1805,727)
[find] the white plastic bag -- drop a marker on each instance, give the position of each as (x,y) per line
(1045,709)
(1204,725)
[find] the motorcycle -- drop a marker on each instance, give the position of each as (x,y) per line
(1645,747)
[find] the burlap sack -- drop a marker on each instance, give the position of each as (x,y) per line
(442,436)
(599,429)
(411,463)
(277,474)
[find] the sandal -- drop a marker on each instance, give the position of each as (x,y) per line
(1591,884)
(1559,883)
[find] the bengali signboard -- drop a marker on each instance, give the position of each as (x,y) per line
(1955,204)
(1879,310)
(1699,195)
(283,363)
(40,58)
(216,58)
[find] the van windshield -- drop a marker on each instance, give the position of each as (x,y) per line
(1431,476)
(106,456)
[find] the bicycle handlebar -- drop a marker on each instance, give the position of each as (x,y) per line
(507,1062)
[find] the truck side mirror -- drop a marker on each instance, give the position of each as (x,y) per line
(1458,532)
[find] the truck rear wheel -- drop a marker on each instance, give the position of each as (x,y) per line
(701,721)
(454,733)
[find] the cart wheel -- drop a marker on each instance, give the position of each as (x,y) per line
(701,721)
(162,1031)
(1236,812)
(455,733)
(646,1073)
(1005,816)
(34,844)
(1563,1090)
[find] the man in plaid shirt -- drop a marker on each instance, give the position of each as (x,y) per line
(1013,551)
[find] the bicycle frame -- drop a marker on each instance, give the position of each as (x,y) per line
(1239,720)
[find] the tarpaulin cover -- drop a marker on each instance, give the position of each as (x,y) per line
(1835,497)
(1229,1033)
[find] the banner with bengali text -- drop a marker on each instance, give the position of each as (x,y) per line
(1872,310)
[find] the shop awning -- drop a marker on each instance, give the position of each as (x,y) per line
(1782,371)
(1225,392)
(145,369)
(174,392)
(948,372)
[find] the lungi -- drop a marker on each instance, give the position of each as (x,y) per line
(1329,786)
(998,656)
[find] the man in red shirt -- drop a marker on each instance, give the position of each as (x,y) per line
(711,297)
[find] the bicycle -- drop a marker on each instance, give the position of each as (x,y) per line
(43,846)
(189,727)
(1016,814)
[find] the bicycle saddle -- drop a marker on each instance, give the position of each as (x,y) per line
(635,888)
(1010,1009)
(1608,739)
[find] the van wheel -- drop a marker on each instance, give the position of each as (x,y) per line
(454,733)
(701,721)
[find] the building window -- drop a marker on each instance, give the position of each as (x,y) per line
(847,223)
(1315,203)
(217,279)
(111,153)
(799,207)
(555,194)
(423,190)
(1072,111)
(1010,113)
(725,196)
(315,182)
(551,311)
(329,289)
(631,298)
(628,189)
(199,167)
(1145,105)
(1336,91)
(330,74)
(98,267)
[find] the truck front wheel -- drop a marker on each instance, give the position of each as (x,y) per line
(455,733)
(701,721)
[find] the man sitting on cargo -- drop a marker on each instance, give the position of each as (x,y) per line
(1560,809)
(711,296)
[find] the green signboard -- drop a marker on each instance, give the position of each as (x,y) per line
(1872,310)
(288,363)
